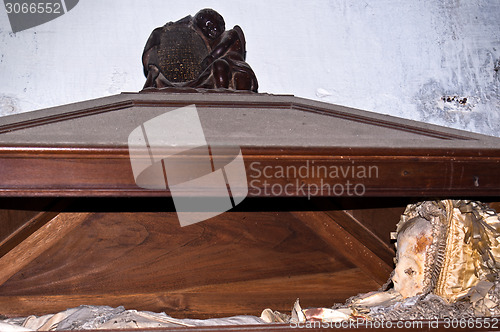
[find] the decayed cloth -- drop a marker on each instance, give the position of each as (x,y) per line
(104,317)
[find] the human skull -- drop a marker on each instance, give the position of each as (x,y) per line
(412,256)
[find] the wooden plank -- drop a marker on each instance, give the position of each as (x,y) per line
(217,300)
(27,228)
(356,228)
(362,228)
(12,220)
(37,243)
(381,220)
(15,213)
(47,210)
(346,244)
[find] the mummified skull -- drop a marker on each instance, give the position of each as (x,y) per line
(447,248)
(413,251)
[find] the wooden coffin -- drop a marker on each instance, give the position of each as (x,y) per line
(76,229)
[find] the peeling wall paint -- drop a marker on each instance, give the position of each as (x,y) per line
(8,105)
(436,61)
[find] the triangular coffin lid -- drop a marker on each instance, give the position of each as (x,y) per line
(243,119)
(412,158)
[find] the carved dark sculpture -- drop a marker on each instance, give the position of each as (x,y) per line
(197,52)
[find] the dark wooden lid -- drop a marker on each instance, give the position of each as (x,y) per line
(244,119)
(81,148)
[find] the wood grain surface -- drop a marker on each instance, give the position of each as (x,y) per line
(240,262)
(101,172)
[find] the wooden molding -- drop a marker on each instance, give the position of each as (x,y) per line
(101,172)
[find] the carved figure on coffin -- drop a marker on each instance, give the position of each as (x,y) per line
(197,52)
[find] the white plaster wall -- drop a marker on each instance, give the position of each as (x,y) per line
(388,56)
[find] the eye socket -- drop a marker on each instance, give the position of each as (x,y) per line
(409,271)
